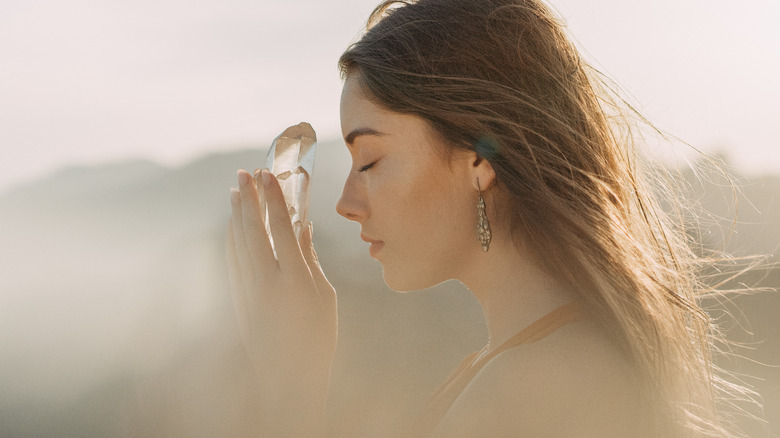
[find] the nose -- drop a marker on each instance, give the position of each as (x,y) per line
(352,203)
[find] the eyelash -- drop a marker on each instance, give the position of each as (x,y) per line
(366,167)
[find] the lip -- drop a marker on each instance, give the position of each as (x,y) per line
(376,245)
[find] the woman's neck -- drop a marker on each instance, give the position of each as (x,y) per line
(512,290)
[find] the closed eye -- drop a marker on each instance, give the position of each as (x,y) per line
(366,167)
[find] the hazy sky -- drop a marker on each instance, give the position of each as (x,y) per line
(84,81)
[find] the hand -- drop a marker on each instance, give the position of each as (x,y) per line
(286,307)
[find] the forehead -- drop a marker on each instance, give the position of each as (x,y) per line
(358,112)
(357,109)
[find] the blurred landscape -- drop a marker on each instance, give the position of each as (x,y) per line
(116,320)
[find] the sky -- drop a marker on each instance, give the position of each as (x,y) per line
(85,82)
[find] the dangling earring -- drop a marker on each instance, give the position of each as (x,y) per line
(483,227)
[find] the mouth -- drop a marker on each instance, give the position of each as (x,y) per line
(376,245)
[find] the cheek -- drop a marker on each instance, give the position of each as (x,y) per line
(434,206)
(458,215)
(397,188)
(420,195)
(420,200)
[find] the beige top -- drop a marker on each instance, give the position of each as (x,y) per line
(441,401)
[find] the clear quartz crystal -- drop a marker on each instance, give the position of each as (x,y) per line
(291,160)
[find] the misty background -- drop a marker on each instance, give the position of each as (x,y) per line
(116,319)
(122,125)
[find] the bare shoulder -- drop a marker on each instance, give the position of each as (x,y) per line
(574,382)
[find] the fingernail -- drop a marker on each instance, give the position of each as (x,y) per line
(235,196)
(257,176)
(243,177)
(266,176)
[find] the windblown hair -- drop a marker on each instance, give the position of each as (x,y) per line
(501,77)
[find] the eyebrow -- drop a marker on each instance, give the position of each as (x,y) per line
(350,138)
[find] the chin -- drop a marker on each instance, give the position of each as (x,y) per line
(406,282)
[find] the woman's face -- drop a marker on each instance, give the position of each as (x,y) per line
(416,208)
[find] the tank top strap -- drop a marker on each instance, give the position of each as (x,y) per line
(540,329)
(441,401)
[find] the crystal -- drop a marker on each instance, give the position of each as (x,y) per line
(291,160)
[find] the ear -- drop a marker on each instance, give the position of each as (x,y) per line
(481,171)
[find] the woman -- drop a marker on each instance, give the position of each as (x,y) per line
(464,115)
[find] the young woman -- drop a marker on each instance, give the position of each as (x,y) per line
(486,150)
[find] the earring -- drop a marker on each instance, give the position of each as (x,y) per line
(483,227)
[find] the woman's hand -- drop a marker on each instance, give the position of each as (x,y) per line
(286,308)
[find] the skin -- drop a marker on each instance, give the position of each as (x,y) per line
(418,210)
(286,309)
(409,200)
(573,383)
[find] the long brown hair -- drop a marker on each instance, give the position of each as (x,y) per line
(501,77)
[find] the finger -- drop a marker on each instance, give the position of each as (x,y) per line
(237,290)
(243,257)
(326,291)
(234,270)
(255,235)
(261,196)
(285,243)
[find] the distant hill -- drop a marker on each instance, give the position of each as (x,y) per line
(115,318)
